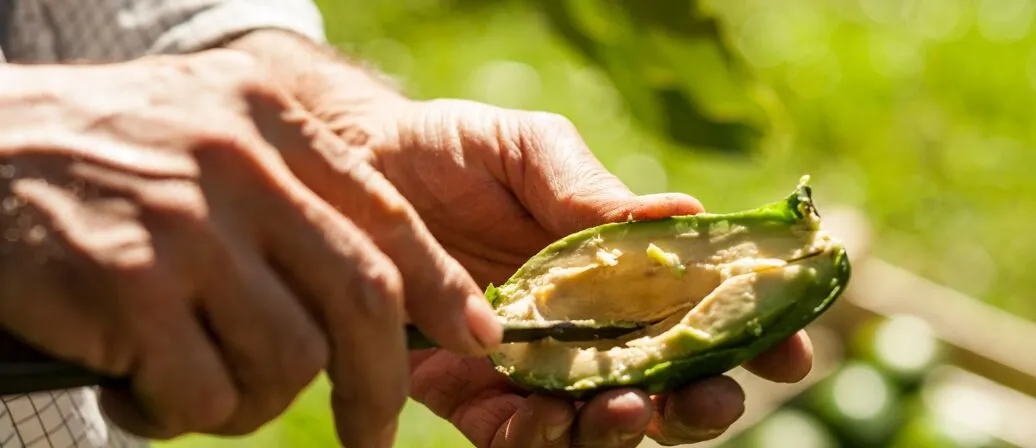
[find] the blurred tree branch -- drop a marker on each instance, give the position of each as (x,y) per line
(668,59)
(672,65)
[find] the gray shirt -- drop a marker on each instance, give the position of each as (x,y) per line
(116,30)
(56,31)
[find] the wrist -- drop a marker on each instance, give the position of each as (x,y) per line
(30,96)
(341,92)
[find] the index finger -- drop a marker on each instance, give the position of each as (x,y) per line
(347,284)
(441,297)
(356,292)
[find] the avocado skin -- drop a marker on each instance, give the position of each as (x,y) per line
(796,209)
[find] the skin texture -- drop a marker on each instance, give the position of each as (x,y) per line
(494,186)
(160,223)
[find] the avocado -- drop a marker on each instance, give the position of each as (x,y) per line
(718,289)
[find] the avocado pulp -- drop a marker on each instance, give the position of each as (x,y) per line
(720,289)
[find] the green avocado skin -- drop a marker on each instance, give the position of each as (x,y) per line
(821,294)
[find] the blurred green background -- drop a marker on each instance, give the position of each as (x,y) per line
(919,112)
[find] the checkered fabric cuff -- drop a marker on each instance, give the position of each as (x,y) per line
(226,19)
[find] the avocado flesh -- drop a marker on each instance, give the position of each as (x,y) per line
(713,283)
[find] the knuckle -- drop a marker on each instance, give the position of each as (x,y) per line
(384,282)
(389,407)
(231,148)
(395,220)
(380,403)
(391,216)
(550,121)
(379,291)
(396,209)
(353,163)
(123,250)
(231,65)
(259,89)
(218,139)
(249,78)
(183,202)
(211,407)
(306,358)
(207,70)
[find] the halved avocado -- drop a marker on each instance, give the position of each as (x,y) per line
(721,289)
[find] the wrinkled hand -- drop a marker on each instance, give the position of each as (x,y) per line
(160,223)
(495,186)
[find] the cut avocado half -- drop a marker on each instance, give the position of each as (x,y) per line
(721,289)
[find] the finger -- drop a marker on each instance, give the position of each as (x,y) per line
(613,419)
(455,388)
(182,386)
(466,391)
(540,422)
(698,412)
(356,292)
(67,315)
(441,298)
(567,188)
(150,333)
(273,348)
(788,362)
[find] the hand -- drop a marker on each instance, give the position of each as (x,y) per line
(160,224)
(494,186)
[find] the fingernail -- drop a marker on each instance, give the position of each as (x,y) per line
(628,436)
(628,400)
(553,433)
(483,324)
(711,433)
(700,434)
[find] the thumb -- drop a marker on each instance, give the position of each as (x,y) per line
(660,205)
(567,189)
(591,209)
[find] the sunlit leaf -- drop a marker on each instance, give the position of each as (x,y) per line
(670,62)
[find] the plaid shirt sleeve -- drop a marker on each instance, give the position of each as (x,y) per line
(48,31)
(60,419)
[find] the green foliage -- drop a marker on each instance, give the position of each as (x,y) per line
(892,391)
(669,61)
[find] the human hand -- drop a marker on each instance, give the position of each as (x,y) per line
(159,224)
(495,186)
